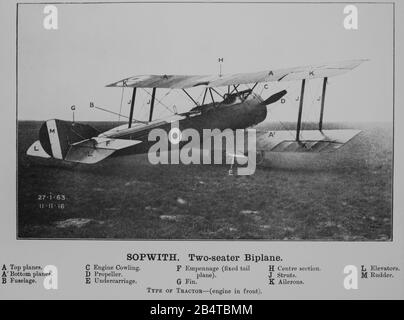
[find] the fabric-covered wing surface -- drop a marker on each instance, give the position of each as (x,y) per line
(310,140)
(286,74)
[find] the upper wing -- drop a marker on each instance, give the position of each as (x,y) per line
(188,81)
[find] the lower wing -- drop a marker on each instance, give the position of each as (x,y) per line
(309,140)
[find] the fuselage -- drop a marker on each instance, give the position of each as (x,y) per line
(233,114)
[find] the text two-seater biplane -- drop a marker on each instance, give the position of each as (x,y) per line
(235,109)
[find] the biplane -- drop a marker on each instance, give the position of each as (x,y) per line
(235,108)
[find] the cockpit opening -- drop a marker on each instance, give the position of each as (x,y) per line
(239,96)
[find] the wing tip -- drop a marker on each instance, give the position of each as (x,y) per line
(358,62)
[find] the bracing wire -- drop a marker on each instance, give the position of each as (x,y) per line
(120,107)
(283,126)
(309,111)
(159,101)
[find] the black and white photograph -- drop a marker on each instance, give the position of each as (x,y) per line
(200,156)
(205,121)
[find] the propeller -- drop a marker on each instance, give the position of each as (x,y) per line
(275,97)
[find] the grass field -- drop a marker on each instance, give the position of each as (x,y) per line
(345,195)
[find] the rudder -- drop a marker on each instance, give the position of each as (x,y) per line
(56,136)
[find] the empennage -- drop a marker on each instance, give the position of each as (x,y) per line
(75,142)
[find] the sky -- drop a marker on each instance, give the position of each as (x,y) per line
(96,44)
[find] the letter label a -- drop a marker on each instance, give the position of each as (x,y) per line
(51,280)
(158,151)
(351,280)
(51,19)
(351,20)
